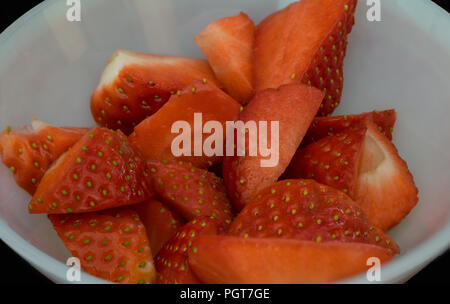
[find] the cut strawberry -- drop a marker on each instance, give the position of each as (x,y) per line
(366,165)
(234,260)
(294,107)
(228,45)
(111,244)
(100,171)
(161,223)
(135,85)
(333,160)
(307,210)
(327,126)
(191,191)
(172,261)
(29,152)
(305,42)
(385,188)
(154,137)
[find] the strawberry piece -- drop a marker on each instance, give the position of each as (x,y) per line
(305,42)
(385,188)
(333,160)
(135,85)
(111,244)
(234,260)
(191,191)
(294,107)
(307,210)
(228,45)
(366,165)
(161,223)
(29,152)
(154,138)
(328,126)
(101,171)
(172,261)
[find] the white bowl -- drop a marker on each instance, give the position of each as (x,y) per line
(49,67)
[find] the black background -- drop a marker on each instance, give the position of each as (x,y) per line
(15,270)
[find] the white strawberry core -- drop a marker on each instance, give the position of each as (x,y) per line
(120,59)
(38,125)
(372,155)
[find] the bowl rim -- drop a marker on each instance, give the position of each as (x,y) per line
(396,270)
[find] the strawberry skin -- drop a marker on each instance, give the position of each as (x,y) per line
(190,191)
(160,222)
(328,126)
(172,261)
(153,136)
(365,164)
(294,107)
(333,160)
(101,171)
(28,153)
(228,45)
(307,210)
(234,260)
(385,187)
(111,244)
(305,42)
(135,85)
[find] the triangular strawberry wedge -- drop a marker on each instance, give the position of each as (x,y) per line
(385,188)
(191,191)
(293,107)
(236,260)
(135,85)
(327,126)
(228,45)
(160,222)
(111,244)
(102,170)
(154,137)
(333,160)
(305,42)
(29,152)
(365,164)
(309,211)
(172,262)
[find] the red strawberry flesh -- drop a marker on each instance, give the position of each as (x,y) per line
(191,191)
(172,261)
(228,45)
(235,260)
(327,126)
(385,188)
(154,138)
(160,222)
(294,107)
(111,244)
(307,210)
(333,160)
(305,42)
(136,85)
(101,171)
(365,164)
(28,153)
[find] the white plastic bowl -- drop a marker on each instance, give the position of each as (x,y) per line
(49,67)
